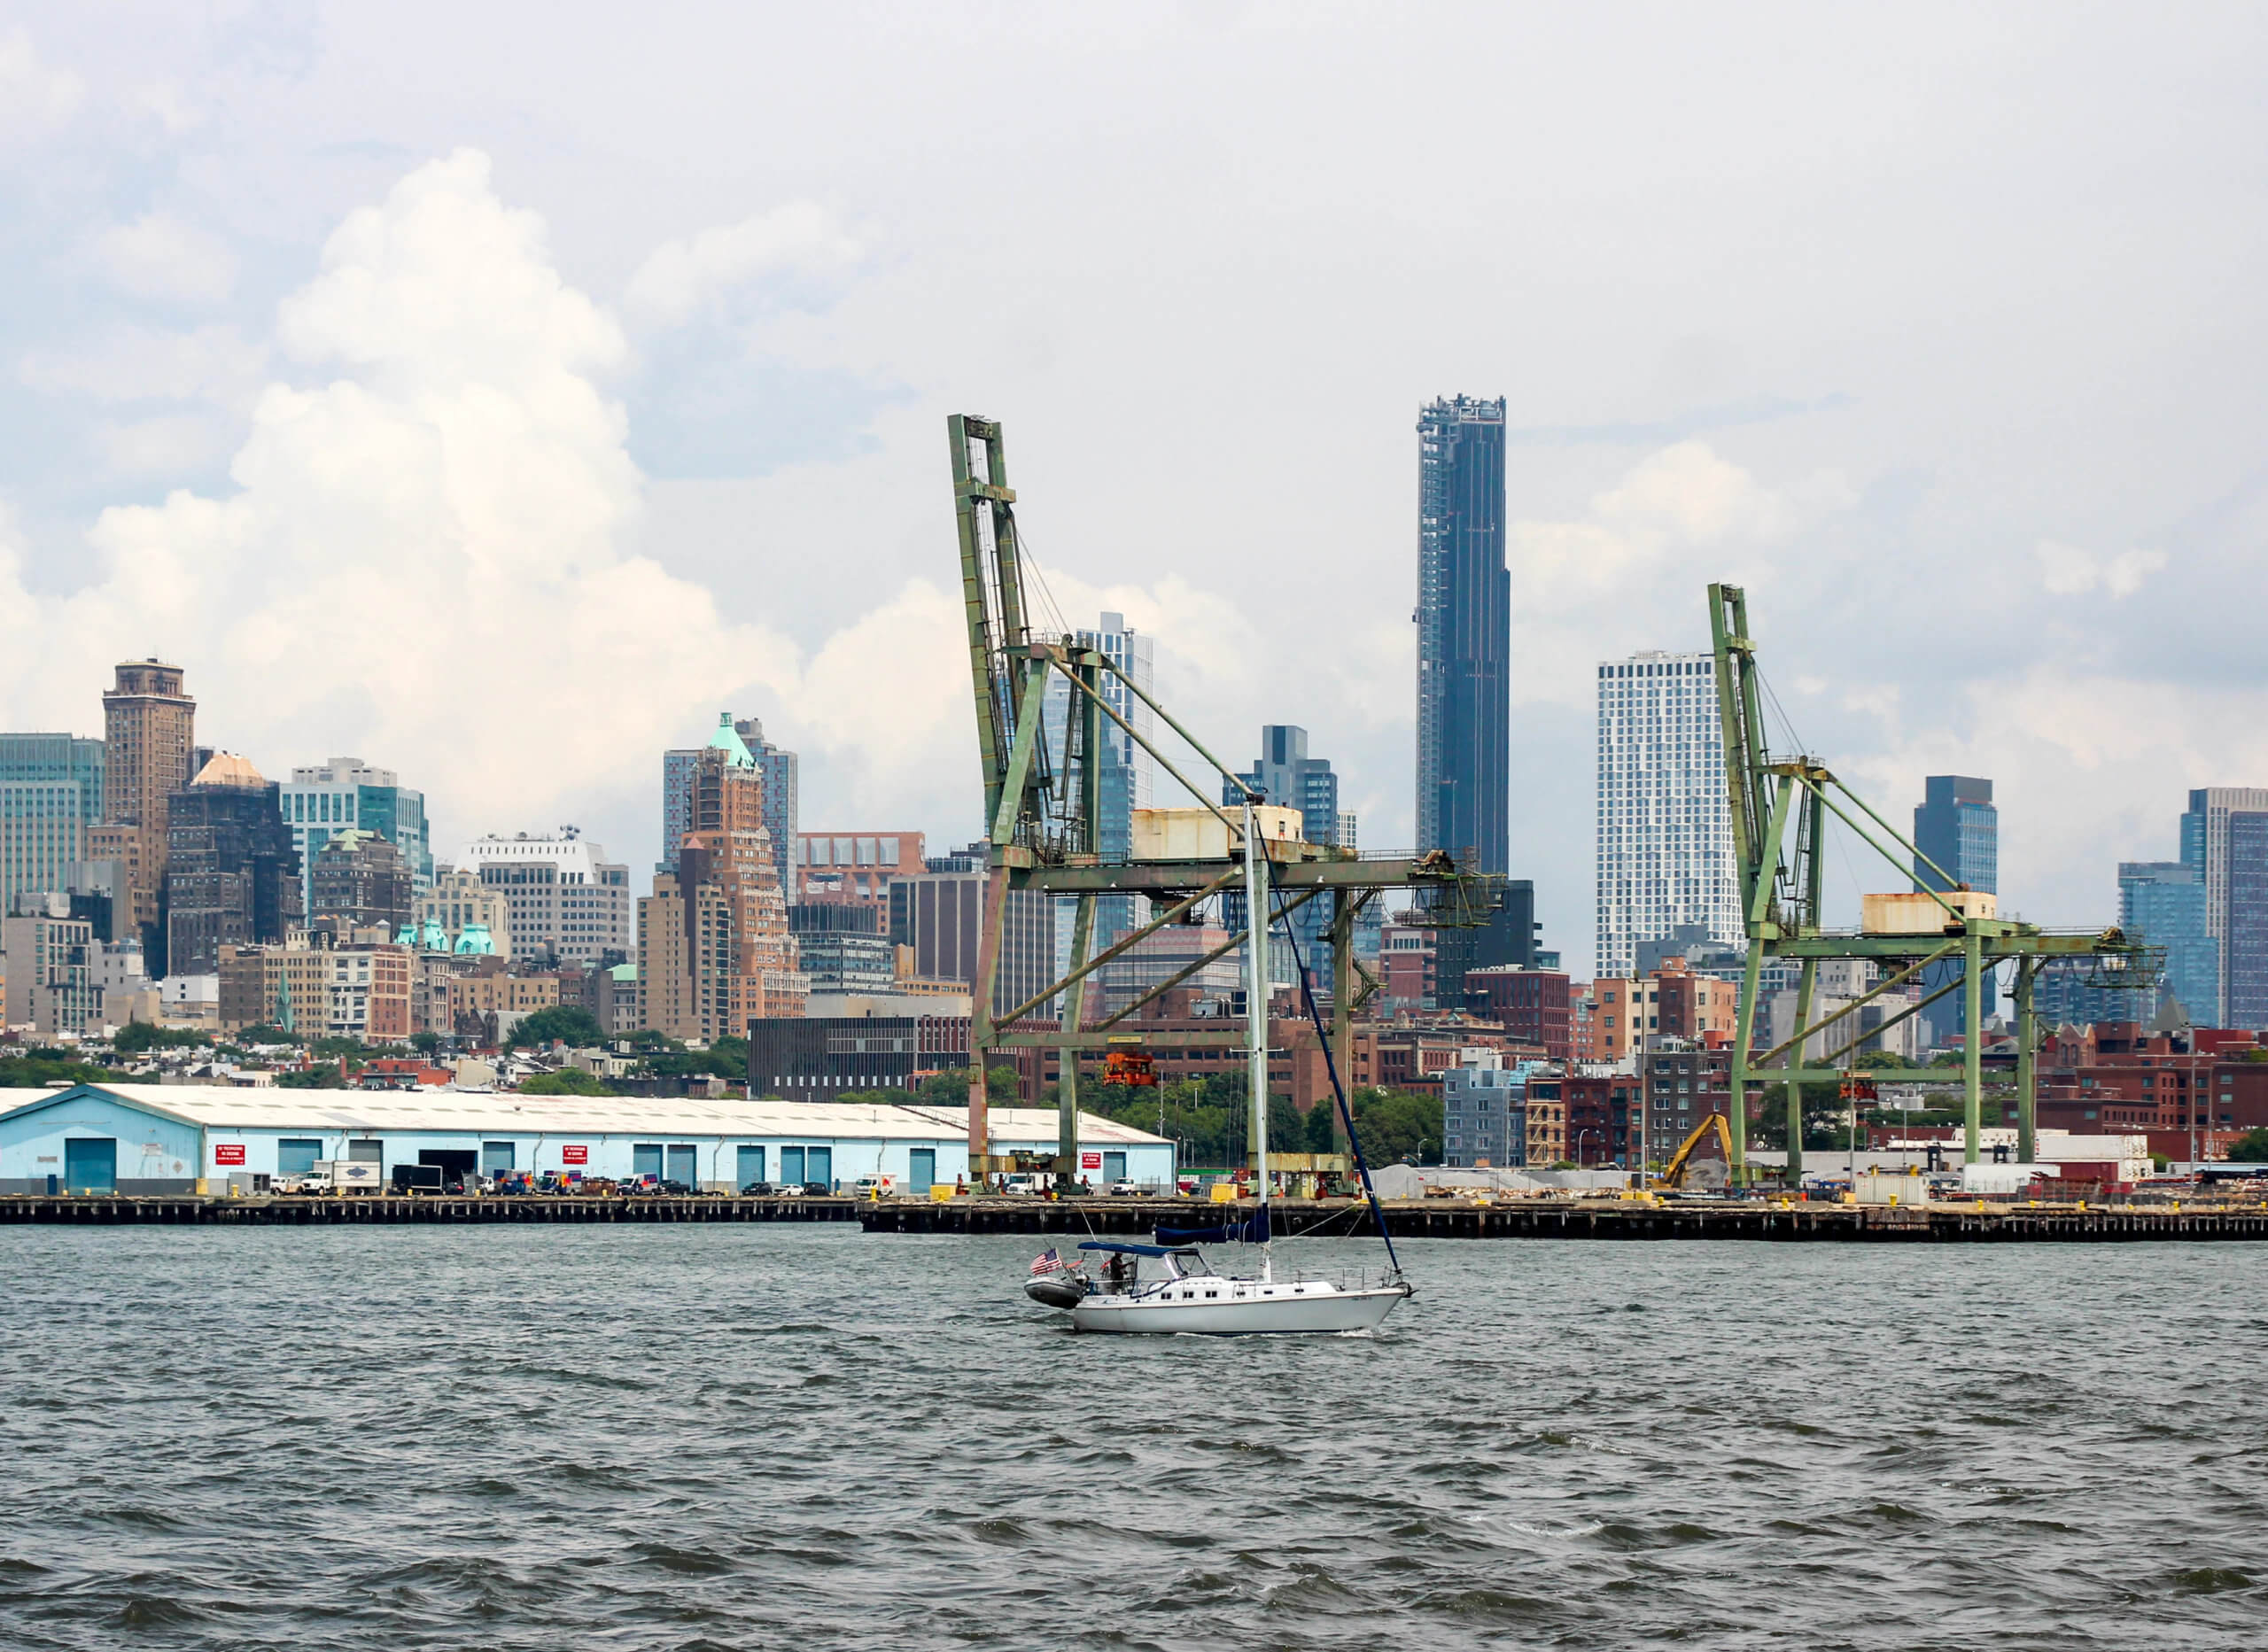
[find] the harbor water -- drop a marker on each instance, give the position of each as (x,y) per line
(704,1437)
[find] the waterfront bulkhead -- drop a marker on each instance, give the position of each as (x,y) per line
(155,1139)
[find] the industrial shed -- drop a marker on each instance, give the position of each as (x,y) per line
(182,1138)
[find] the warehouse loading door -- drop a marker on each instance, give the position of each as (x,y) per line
(791,1165)
(1113,1168)
(685,1164)
(454,1164)
(645,1159)
(921,1169)
(296,1155)
(90,1166)
(819,1164)
(366,1152)
(751,1165)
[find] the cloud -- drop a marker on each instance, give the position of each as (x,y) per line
(421,557)
(158,256)
(682,277)
(212,364)
(1624,575)
(34,99)
(165,445)
(2066,571)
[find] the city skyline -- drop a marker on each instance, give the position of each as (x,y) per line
(713,480)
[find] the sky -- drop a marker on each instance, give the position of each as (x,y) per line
(497,392)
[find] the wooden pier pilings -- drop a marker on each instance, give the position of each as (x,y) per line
(1595,1219)
(260,1211)
(1077,1218)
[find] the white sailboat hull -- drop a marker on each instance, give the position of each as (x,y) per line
(1209,1305)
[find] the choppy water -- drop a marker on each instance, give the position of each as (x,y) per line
(691,1437)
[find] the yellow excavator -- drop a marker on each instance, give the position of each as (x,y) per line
(1683,1165)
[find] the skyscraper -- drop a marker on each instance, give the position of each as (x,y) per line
(2207,833)
(232,870)
(563,898)
(1957,827)
(51,793)
(1128,772)
(324,799)
(783,798)
(2162,903)
(1464,640)
(713,940)
(1664,837)
(1286,775)
(1464,634)
(148,751)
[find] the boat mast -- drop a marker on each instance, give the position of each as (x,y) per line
(1255,996)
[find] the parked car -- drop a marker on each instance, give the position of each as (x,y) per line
(1125,1187)
(815,1190)
(760,1190)
(671,1187)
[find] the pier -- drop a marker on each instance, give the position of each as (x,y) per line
(1595,1219)
(1768,1220)
(373,1210)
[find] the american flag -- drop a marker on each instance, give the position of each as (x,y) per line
(1048,1262)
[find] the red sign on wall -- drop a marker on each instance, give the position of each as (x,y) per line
(1090,1161)
(228,1153)
(574,1154)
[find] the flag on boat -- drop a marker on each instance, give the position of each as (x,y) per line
(1049,1261)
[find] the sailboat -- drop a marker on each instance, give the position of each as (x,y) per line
(1167,1288)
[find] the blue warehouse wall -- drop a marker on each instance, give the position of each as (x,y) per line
(153,1154)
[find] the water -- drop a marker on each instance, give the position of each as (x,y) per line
(697,1437)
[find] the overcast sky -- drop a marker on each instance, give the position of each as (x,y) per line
(498,392)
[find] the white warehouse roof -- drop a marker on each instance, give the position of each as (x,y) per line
(505,1113)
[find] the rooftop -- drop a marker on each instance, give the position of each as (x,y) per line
(317,1111)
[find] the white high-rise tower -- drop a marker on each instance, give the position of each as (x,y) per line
(1665,843)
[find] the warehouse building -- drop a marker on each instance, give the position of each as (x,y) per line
(177,1138)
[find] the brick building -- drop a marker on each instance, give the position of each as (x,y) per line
(1532,1006)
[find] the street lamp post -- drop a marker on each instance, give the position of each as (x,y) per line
(1587,1129)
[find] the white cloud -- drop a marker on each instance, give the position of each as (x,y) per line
(427,557)
(1624,575)
(34,99)
(214,364)
(2066,571)
(158,256)
(681,277)
(421,557)
(165,446)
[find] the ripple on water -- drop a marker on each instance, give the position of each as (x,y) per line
(723,1437)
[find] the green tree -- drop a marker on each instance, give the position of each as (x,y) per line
(266,1034)
(37,1068)
(571,1080)
(136,1036)
(2251,1148)
(1395,1125)
(325,1076)
(568,1023)
(425,1044)
(1323,1127)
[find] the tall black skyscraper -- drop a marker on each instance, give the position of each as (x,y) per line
(1464,634)
(1464,644)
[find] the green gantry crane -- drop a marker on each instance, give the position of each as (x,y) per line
(1780,808)
(1042,803)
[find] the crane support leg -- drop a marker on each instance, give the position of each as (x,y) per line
(1075,1005)
(980,1022)
(1972,1045)
(2027,1063)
